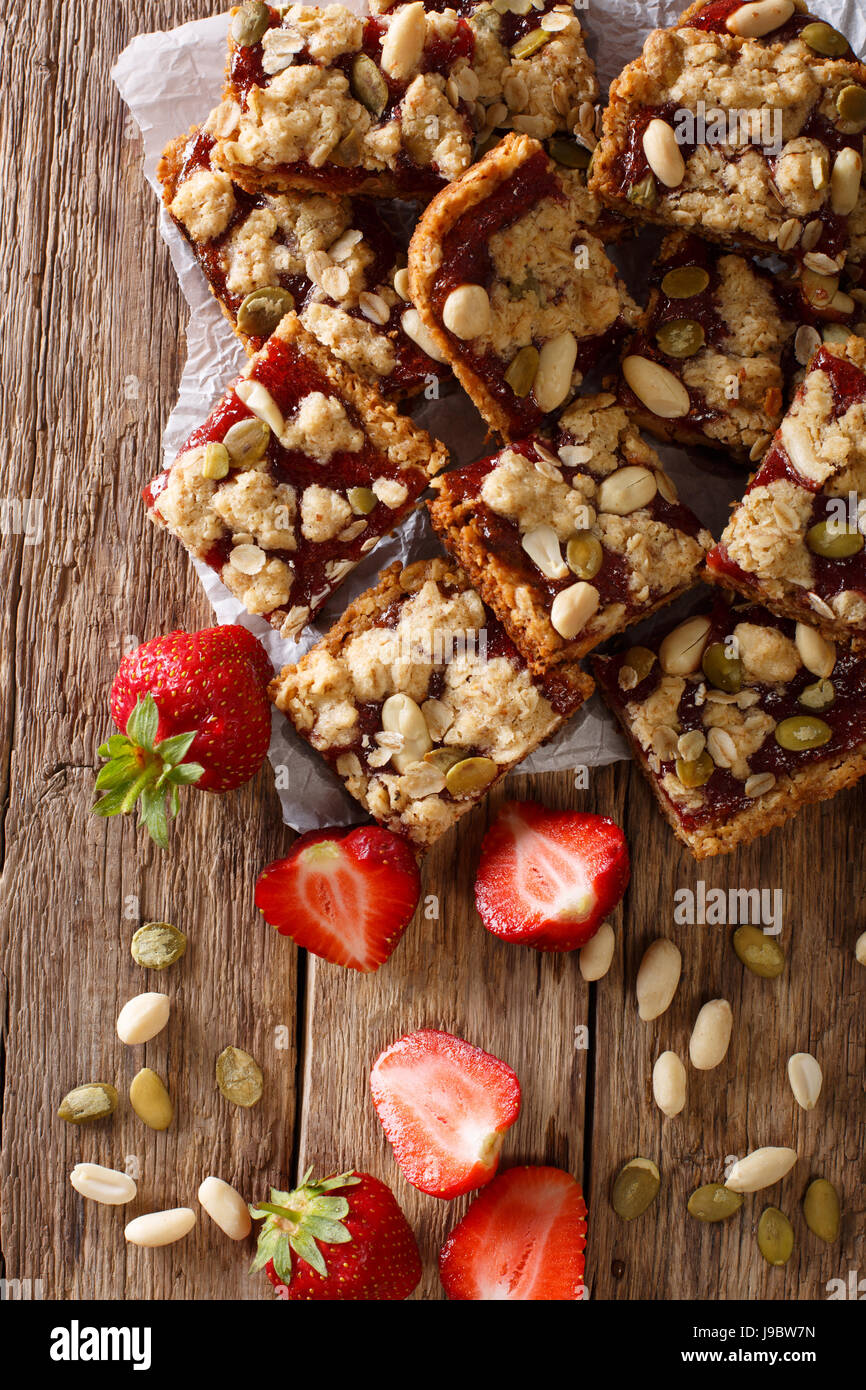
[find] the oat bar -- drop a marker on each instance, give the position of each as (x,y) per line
(419,701)
(297,474)
(738,718)
(572,537)
(511,279)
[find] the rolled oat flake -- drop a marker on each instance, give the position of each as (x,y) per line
(239,1077)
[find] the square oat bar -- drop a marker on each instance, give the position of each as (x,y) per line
(419,701)
(706,365)
(744,124)
(297,473)
(333,259)
(795,542)
(390,104)
(509,274)
(573,537)
(738,718)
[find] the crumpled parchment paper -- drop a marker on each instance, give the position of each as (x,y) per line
(170,81)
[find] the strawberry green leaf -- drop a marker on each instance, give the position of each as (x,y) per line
(143,723)
(283,1261)
(153,814)
(174,749)
(306,1249)
(185,774)
(117,773)
(111,803)
(331,1232)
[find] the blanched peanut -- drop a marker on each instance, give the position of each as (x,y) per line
(806,1078)
(656,388)
(761,17)
(142,1018)
(711,1035)
(594,959)
(106,1185)
(657,978)
(761,1168)
(466,312)
(663,154)
(682,650)
(160,1227)
(403,43)
(226,1207)
(552,381)
(669,1084)
(572,609)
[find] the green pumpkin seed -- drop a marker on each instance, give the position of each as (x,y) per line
(824,39)
(84,1104)
(443,758)
(368,85)
(636,1188)
(150,1099)
(239,1077)
(685,282)
(216,461)
(568,153)
(695,773)
(470,775)
(714,1202)
(530,43)
(822,1210)
(362,499)
(263,309)
(775,1236)
(802,731)
(721,670)
(157,945)
(759,953)
(819,696)
(644,193)
(247,442)
(250,23)
(641,660)
(681,338)
(851,104)
(521,373)
(348,152)
(585,555)
(834,542)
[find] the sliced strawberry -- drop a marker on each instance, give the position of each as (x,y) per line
(445,1106)
(345,895)
(522,1240)
(549,878)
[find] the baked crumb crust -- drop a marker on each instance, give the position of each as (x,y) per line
(485,706)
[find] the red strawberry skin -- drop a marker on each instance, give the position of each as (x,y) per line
(346,895)
(522,1240)
(549,878)
(213,681)
(381,1262)
(445,1107)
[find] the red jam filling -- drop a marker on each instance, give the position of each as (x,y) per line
(723,796)
(713,19)
(289,376)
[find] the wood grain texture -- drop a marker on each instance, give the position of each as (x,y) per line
(91,354)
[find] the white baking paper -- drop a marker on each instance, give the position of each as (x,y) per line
(171,81)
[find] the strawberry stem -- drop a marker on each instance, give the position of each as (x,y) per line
(135,766)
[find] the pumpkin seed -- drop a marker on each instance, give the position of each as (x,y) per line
(263,309)
(521,372)
(819,696)
(362,499)
(568,153)
(348,152)
(636,1188)
(247,441)
(824,39)
(851,104)
(696,772)
(584,554)
(84,1104)
(641,660)
(530,43)
(470,775)
(239,1077)
(250,23)
(368,85)
(714,1202)
(685,281)
(150,1099)
(759,953)
(644,193)
(681,337)
(821,1210)
(834,542)
(721,670)
(775,1236)
(443,759)
(157,945)
(802,731)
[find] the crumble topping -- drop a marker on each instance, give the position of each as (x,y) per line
(321,428)
(324,513)
(252,503)
(204,203)
(515,489)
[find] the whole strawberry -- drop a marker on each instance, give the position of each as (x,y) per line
(192,709)
(344,1239)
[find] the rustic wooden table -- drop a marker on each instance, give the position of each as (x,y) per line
(92,346)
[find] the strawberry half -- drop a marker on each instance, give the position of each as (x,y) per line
(522,1240)
(340,1240)
(549,878)
(345,895)
(444,1106)
(193,710)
